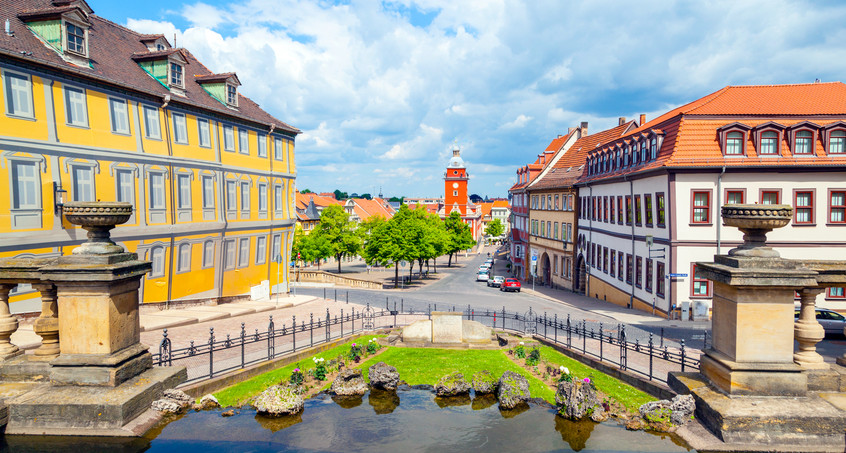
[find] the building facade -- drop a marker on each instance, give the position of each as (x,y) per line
(650,200)
(456,197)
(115,115)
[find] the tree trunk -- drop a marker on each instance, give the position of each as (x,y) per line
(449,263)
(338,257)
(410,269)
(396,275)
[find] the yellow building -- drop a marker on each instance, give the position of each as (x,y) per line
(95,111)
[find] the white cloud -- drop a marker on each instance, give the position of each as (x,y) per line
(370,89)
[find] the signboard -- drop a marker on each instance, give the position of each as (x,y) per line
(534,258)
(676,275)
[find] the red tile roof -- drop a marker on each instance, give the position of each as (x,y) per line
(110,47)
(304,198)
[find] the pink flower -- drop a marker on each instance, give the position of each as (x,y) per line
(296,370)
(587,380)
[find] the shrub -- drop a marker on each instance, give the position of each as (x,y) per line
(319,368)
(372,346)
(296,377)
(534,357)
(565,375)
(520,351)
(355,353)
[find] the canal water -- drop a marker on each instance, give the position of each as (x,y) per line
(405,421)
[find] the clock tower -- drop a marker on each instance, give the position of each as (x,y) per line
(455,184)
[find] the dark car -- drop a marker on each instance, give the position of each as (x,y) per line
(510,284)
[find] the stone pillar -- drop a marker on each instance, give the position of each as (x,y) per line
(8,325)
(809,332)
(47,324)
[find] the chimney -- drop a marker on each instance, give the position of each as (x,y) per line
(642,118)
(584,129)
(621,121)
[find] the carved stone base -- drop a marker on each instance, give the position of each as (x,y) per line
(759,379)
(48,330)
(101,370)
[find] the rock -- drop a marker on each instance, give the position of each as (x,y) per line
(393,339)
(451,385)
(484,382)
(635,424)
(676,411)
(179,396)
(167,406)
(349,383)
(683,407)
(228,413)
(383,376)
(577,399)
(512,390)
(278,400)
(208,402)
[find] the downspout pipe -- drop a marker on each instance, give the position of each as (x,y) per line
(165,102)
(590,216)
(717,221)
(271,212)
(634,256)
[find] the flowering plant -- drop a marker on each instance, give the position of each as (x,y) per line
(372,346)
(319,368)
(355,352)
(296,377)
(520,351)
(565,375)
(534,357)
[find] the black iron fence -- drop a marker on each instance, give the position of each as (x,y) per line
(607,343)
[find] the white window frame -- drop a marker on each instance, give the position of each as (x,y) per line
(244,196)
(231,198)
(183,262)
(276,246)
(243,141)
(76,110)
(119,117)
(204,132)
(229,138)
(157,191)
(262,199)
(278,196)
(30,182)
(152,123)
(183,185)
(261,140)
(232,95)
(180,128)
(67,42)
(19,102)
(278,149)
(124,192)
(261,249)
(208,254)
(80,192)
(229,254)
(176,74)
(157,257)
(208,191)
(243,252)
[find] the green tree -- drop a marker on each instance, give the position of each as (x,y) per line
(396,199)
(341,233)
(494,228)
(340,195)
(372,232)
(306,191)
(460,235)
(310,247)
(366,196)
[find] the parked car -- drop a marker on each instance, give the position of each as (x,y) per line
(510,284)
(482,276)
(484,268)
(496,282)
(832,322)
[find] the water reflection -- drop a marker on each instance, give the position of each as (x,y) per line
(452,401)
(276,423)
(64,444)
(517,410)
(483,401)
(575,433)
(383,401)
(347,402)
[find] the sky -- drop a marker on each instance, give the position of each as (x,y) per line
(383,90)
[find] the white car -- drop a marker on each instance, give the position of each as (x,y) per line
(484,268)
(482,276)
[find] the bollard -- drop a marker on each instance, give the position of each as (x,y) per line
(600,342)
(662,337)
(211,351)
(682,356)
(650,356)
(294,331)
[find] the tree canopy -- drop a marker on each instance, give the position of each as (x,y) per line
(341,234)
(459,233)
(494,228)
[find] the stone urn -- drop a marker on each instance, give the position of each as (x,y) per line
(755,221)
(98,218)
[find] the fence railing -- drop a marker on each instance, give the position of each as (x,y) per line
(607,343)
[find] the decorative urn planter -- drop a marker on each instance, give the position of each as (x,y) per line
(755,221)
(97,217)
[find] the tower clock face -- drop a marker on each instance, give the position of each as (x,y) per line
(455,185)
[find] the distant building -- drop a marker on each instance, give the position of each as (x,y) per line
(455,194)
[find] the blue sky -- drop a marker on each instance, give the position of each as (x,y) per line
(382,89)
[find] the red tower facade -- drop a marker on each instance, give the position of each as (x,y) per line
(455,185)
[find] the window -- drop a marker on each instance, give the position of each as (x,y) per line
(620,210)
(275,248)
(837,206)
(208,254)
(157,257)
(83,183)
(243,141)
(542,202)
(700,287)
(803,143)
(639,272)
(556,202)
(620,266)
(125,186)
(770,197)
(18,95)
(277,199)
(229,254)
(734,144)
(119,116)
(837,143)
(613,266)
(638,211)
(611,210)
(629,269)
(228,138)
(262,198)
(208,192)
(184,191)
(262,145)
(647,201)
(628,210)
(555,230)
(180,129)
(203,131)
(184,258)
(660,282)
(278,150)
(653,148)
(176,78)
(261,249)
(835,293)
(75,38)
(649,274)
(734,197)
(659,198)
(243,252)
(605,209)
(701,207)
(245,199)
(152,128)
(804,207)
(76,109)
(605,259)
(769,143)
(231,95)
(25,185)
(157,191)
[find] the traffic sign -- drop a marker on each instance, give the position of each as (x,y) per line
(534,257)
(676,275)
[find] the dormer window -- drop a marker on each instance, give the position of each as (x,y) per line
(643,155)
(160,47)
(734,144)
(733,138)
(769,143)
(837,142)
(75,36)
(176,75)
(231,95)
(653,148)
(802,143)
